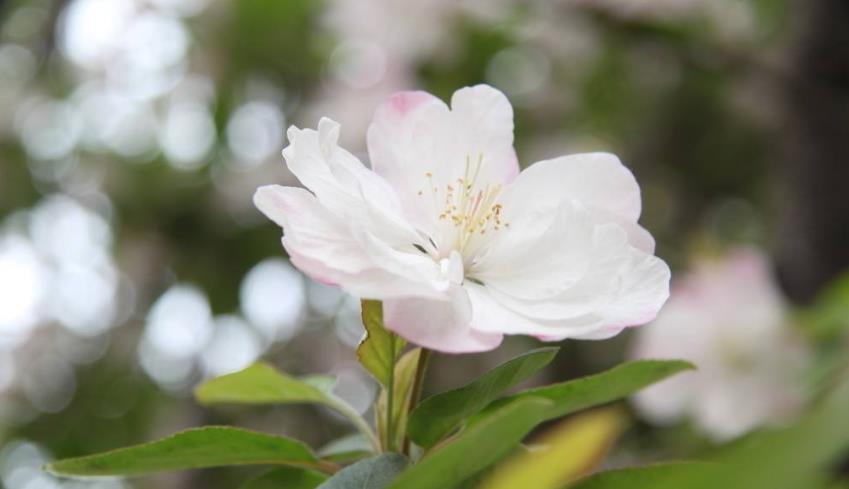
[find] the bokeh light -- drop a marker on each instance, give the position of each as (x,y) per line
(255,132)
(234,346)
(273,297)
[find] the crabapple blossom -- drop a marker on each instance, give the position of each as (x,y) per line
(459,245)
(728,318)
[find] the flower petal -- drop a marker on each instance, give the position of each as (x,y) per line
(419,145)
(597,181)
(490,315)
(623,287)
(311,229)
(366,209)
(484,119)
(336,177)
(642,290)
(372,283)
(323,246)
(442,325)
(539,255)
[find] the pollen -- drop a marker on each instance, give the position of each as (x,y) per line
(473,209)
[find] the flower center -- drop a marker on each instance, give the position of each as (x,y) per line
(451,268)
(465,205)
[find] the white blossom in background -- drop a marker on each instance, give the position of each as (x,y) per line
(461,247)
(728,318)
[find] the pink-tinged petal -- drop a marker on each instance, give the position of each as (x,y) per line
(351,223)
(402,103)
(337,178)
(407,263)
(322,245)
(373,283)
(311,229)
(485,117)
(403,145)
(439,325)
(420,146)
(603,333)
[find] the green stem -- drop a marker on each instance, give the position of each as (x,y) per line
(346,410)
(389,443)
(416,394)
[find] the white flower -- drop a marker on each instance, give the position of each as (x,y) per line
(728,318)
(460,247)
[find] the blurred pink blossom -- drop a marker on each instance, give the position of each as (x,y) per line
(728,318)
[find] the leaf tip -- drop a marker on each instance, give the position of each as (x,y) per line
(686,365)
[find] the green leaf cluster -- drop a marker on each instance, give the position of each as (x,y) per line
(452,439)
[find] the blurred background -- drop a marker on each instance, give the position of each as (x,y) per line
(133,264)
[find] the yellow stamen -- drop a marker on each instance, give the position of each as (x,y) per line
(473,210)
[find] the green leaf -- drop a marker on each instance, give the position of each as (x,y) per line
(346,449)
(403,379)
(616,383)
(564,454)
(828,316)
(475,448)
(637,477)
(286,478)
(371,473)
(380,349)
(211,446)
(439,415)
(263,384)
